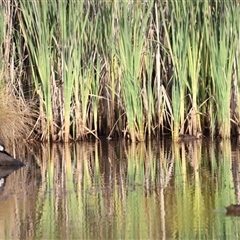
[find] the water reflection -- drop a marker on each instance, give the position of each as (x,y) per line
(5,171)
(112,190)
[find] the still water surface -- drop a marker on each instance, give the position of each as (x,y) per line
(117,190)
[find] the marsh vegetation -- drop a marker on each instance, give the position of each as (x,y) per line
(136,69)
(115,190)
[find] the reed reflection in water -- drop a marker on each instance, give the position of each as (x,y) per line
(118,190)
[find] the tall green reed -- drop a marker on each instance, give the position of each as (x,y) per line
(79,72)
(163,110)
(89,78)
(109,104)
(223,43)
(176,30)
(132,31)
(63,54)
(37,28)
(81,69)
(194,55)
(148,94)
(68,68)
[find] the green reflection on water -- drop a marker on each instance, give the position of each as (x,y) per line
(117,190)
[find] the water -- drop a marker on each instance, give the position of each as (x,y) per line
(117,190)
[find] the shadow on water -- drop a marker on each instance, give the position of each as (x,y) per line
(116,190)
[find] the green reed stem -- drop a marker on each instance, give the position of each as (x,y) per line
(38,34)
(130,49)
(72,28)
(177,39)
(223,43)
(194,61)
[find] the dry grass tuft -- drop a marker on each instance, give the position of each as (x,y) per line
(15,118)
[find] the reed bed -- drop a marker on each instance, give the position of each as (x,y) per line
(123,68)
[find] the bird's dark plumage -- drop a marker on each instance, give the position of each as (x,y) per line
(6,159)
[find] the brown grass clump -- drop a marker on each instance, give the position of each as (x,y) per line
(15,118)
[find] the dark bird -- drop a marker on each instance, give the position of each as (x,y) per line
(6,159)
(233,209)
(186,137)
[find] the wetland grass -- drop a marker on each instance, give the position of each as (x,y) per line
(38,34)
(130,53)
(16,112)
(124,69)
(224,42)
(194,53)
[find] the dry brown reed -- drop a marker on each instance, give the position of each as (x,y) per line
(16,118)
